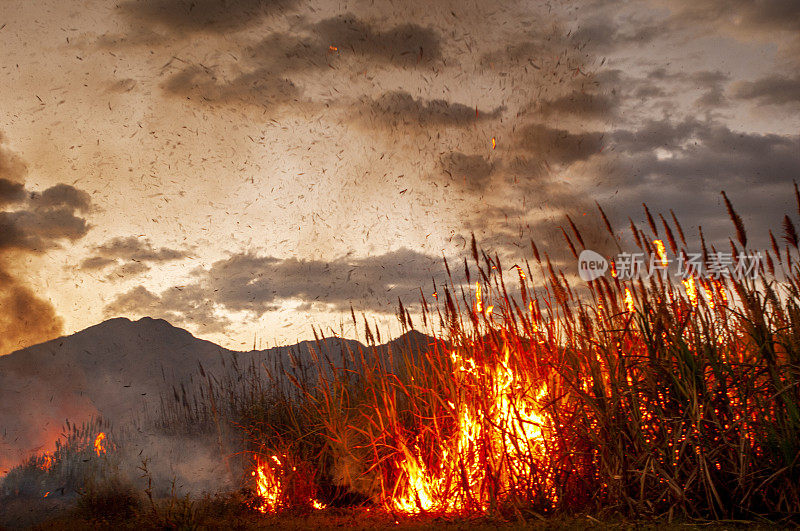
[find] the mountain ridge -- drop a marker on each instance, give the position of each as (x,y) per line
(116,367)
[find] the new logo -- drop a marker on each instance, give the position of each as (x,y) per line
(591,265)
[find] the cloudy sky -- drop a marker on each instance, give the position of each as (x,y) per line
(250,168)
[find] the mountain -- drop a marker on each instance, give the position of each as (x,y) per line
(113,369)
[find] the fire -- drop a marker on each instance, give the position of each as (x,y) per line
(691,290)
(661,252)
(268,486)
(494,143)
(629,304)
(478,298)
(271,485)
(720,288)
(99,448)
(506,429)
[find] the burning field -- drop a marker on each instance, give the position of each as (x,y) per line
(397,263)
(529,398)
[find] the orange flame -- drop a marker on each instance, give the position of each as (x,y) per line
(510,427)
(691,290)
(721,291)
(99,448)
(268,486)
(478,298)
(629,304)
(661,252)
(271,485)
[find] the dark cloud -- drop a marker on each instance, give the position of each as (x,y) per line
(398,108)
(97,262)
(320,46)
(679,164)
(127,270)
(11,192)
(700,78)
(281,53)
(136,249)
(655,134)
(770,90)
(711,83)
(406,44)
(742,15)
(685,164)
(130,256)
(579,104)
(258,284)
(603,34)
(62,196)
(195,16)
(41,226)
(31,222)
(649,92)
(712,99)
(260,87)
(558,146)
(542,48)
(705,78)
(662,82)
(471,171)
(526,52)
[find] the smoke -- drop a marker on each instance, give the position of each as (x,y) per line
(26,318)
(31,223)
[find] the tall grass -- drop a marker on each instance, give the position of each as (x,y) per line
(631,397)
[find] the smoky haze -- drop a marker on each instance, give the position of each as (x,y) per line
(31,223)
